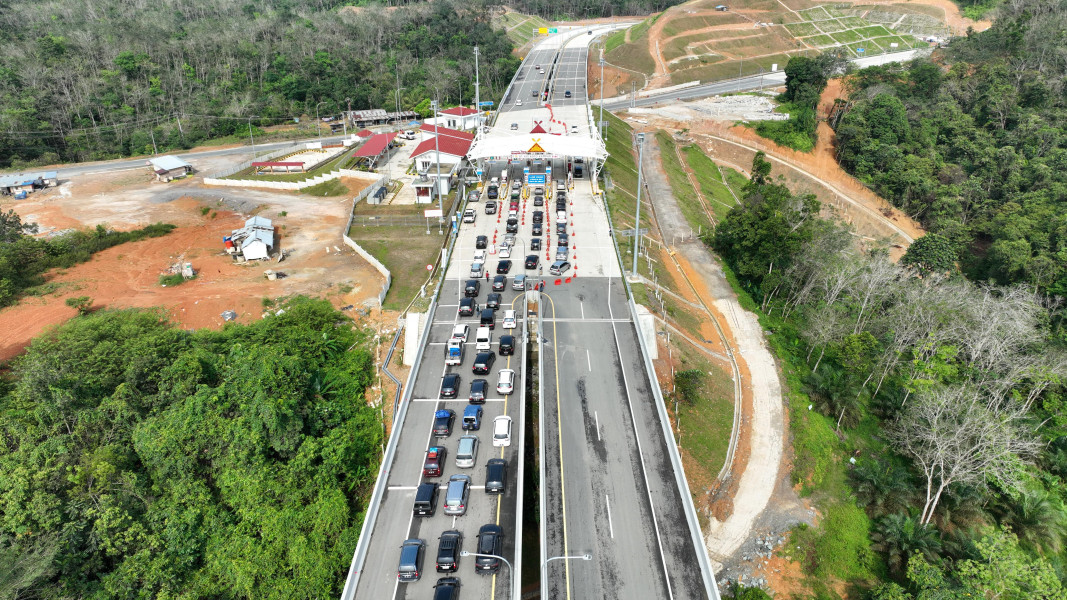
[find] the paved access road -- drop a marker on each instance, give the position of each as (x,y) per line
(395,522)
(610,485)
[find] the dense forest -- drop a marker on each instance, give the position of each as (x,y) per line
(581,9)
(139,460)
(974,144)
(927,411)
(92,80)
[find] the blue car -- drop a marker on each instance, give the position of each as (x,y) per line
(472,418)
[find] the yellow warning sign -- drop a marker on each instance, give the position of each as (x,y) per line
(536,147)
(543,31)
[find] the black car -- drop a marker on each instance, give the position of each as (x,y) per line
(483,363)
(567,94)
(410,567)
(467,307)
(492,192)
(446,588)
(538,216)
(443,421)
(499,283)
(531,261)
(488,318)
(538,229)
(493,301)
(503,267)
(449,385)
(561,207)
(490,541)
(507,345)
(563,240)
(561,227)
(479,387)
(512,226)
(471,288)
(535,244)
(481,242)
(451,542)
(561,196)
(496,476)
(539,200)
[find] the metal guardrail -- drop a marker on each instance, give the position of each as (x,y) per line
(385,368)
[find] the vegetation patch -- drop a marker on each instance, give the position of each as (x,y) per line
(206,464)
(405,251)
(718,196)
(330,187)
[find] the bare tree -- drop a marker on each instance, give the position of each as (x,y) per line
(956,435)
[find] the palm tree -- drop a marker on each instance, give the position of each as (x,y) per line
(882,488)
(836,394)
(899,536)
(1037,518)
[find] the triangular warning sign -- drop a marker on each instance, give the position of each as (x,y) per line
(536,148)
(537,128)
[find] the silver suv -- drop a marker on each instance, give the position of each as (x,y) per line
(459,489)
(467,453)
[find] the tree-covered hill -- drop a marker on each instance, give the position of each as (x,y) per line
(138,460)
(975,144)
(89,80)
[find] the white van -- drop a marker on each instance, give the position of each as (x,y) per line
(509,319)
(483,339)
(469,215)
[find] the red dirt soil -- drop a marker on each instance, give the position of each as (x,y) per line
(128,275)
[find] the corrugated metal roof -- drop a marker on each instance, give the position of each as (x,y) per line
(262,235)
(259,222)
(168,163)
(18,179)
(51,175)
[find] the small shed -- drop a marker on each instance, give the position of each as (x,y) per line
(169,167)
(255,240)
(722,8)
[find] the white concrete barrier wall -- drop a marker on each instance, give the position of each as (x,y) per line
(292,185)
(412,332)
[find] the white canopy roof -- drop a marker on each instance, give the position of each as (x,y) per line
(566,134)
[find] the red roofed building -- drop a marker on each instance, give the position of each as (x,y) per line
(459,117)
(428,131)
(375,148)
(452,150)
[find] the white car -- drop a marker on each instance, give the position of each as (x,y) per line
(476,269)
(518,102)
(574,129)
(502,431)
(469,215)
(479,256)
(509,319)
(459,332)
(505,252)
(505,382)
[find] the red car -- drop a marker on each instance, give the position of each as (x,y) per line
(435,457)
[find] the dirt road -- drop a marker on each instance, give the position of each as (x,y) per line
(757,474)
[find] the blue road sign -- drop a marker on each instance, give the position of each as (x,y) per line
(486,103)
(861,49)
(536,179)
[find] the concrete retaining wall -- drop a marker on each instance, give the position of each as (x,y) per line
(291,185)
(377,264)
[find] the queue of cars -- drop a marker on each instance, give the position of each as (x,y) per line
(456,488)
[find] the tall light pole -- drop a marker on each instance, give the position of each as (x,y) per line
(252,138)
(437,150)
(318,123)
(511,572)
(477,90)
(601,124)
(637,224)
(344,119)
(544,565)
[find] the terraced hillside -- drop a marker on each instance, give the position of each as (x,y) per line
(518,26)
(696,41)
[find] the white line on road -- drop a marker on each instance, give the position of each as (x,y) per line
(588,362)
(597,417)
(402,488)
(111,171)
(581,305)
(611,529)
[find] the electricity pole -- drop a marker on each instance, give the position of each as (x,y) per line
(477,91)
(637,224)
(437,150)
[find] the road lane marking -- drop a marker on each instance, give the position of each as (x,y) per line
(611,529)
(402,488)
(559,442)
(581,305)
(588,363)
(597,417)
(641,455)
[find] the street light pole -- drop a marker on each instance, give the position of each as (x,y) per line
(637,223)
(437,150)
(477,91)
(252,138)
(601,123)
(511,572)
(344,119)
(544,566)
(318,123)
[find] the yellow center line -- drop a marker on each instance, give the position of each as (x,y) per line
(500,498)
(559,440)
